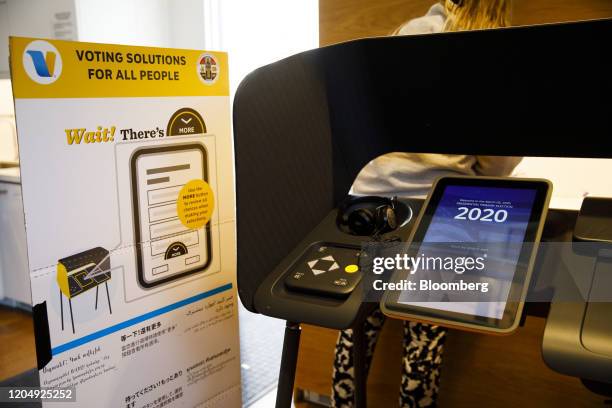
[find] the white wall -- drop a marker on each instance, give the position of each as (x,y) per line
(34,18)
(256,33)
(187,24)
(155,23)
(131,22)
(39,18)
(8,140)
(7,108)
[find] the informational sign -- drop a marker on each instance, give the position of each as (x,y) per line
(127,178)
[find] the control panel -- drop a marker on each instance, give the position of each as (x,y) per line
(325,269)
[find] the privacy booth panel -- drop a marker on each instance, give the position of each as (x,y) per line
(306,125)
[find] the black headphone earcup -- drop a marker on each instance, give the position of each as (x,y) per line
(371,215)
(386,220)
(361,222)
(390,219)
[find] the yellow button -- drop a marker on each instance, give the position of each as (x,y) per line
(351,268)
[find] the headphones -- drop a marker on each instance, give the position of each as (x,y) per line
(371,215)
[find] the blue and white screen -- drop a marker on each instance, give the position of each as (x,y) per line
(489,222)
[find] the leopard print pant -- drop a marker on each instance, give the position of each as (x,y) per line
(423,347)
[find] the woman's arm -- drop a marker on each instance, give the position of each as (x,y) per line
(495,165)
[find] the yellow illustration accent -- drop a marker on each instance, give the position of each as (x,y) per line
(62,279)
(195,204)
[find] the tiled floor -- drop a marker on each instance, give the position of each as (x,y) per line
(261,344)
(266,401)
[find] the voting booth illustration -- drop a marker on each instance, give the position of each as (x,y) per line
(79,273)
(305,126)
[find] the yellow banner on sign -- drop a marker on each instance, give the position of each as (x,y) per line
(66,69)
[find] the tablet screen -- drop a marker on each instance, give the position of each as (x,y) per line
(496,220)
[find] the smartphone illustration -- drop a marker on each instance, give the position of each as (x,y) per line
(166,250)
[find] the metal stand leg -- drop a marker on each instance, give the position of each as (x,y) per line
(96,307)
(360,364)
(71,318)
(291,345)
(62,308)
(108,298)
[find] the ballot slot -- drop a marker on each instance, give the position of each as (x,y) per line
(167,249)
(160,246)
(162,212)
(163,195)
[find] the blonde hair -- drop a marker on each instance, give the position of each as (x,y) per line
(476,14)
